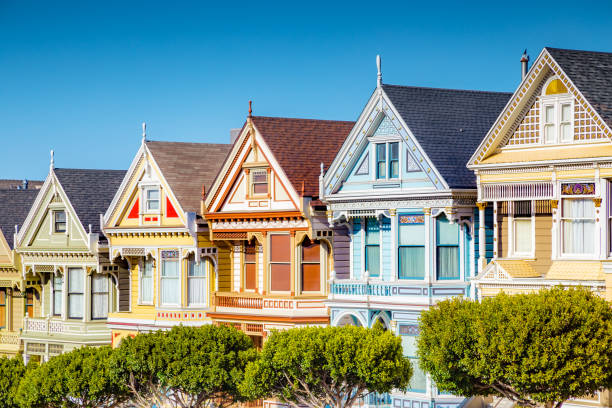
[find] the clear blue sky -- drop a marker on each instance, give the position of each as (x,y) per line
(80,77)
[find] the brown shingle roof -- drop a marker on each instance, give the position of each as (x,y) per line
(188,166)
(300,145)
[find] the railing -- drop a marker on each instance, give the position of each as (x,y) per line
(42,325)
(54,325)
(241,302)
(517,191)
(260,302)
(361,288)
(9,337)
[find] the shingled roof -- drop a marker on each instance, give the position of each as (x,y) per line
(449,124)
(90,192)
(301,145)
(18,184)
(14,207)
(188,166)
(591,72)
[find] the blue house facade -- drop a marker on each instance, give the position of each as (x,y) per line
(401,198)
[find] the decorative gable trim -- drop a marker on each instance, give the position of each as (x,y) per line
(365,127)
(519,105)
(494,272)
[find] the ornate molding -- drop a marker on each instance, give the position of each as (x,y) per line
(258,224)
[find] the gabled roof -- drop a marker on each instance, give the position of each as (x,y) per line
(90,192)
(14,207)
(591,72)
(449,124)
(301,145)
(18,184)
(188,166)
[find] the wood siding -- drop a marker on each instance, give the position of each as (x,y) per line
(502,234)
(342,252)
(543,243)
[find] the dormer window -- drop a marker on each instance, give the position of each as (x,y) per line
(557,113)
(387,160)
(152,199)
(59,221)
(259,181)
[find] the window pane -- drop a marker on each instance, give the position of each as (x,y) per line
(448,262)
(448,234)
(522,238)
(60,216)
(280,277)
(148,268)
(373,260)
(311,252)
(566,133)
(99,283)
(75,305)
(394,151)
(196,291)
(280,248)
(146,289)
(170,269)
(250,278)
(549,115)
(57,302)
(76,280)
(549,133)
(411,262)
(260,188)
(197,269)
(394,169)
(311,277)
(566,114)
(419,378)
(372,231)
(58,282)
(381,170)
(578,226)
(381,152)
(412,234)
(170,291)
(260,176)
(153,194)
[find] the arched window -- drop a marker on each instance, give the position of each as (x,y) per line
(311,266)
(196,282)
(348,320)
(557,113)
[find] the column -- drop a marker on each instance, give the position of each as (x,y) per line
(482,236)
(393,214)
(65,293)
(428,244)
(294,267)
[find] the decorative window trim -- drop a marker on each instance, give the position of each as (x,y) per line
(169,255)
(323,261)
(144,207)
(55,222)
(270,263)
(259,171)
(562,218)
(556,101)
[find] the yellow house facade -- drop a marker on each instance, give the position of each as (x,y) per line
(544,170)
(156,234)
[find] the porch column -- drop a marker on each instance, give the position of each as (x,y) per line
(393,214)
(482,236)
(428,244)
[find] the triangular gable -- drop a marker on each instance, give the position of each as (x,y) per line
(380,121)
(38,228)
(127,208)
(493,272)
(6,253)
(233,188)
(518,123)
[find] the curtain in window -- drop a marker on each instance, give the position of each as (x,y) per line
(146,282)
(99,296)
(58,282)
(196,283)
(76,288)
(411,252)
(447,251)
(372,248)
(170,290)
(578,226)
(522,238)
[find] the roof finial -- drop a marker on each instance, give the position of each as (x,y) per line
(144,132)
(379,76)
(203,192)
(52,163)
(250,109)
(524,64)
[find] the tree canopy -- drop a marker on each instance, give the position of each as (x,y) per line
(185,367)
(12,370)
(538,348)
(327,366)
(79,378)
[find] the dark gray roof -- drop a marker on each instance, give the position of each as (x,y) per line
(449,124)
(90,192)
(591,72)
(14,207)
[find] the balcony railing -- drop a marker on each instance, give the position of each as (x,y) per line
(361,288)
(9,338)
(259,302)
(54,326)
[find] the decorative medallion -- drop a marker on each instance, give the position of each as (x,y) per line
(412,219)
(169,253)
(578,188)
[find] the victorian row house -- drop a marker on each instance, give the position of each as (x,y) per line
(544,169)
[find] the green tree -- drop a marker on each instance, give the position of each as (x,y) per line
(184,367)
(327,366)
(79,378)
(535,349)
(12,371)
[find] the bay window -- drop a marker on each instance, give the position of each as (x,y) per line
(372,247)
(250,266)
(146,282)
(99,296)
(311,266)
(447,249)
(411,246)
(76,292)
(170,281)
(196,283)
(578,226)
(58,293)
(280,263)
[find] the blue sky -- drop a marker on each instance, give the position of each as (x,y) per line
(80,77)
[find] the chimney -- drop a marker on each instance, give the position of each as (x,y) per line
(524,64)
(234,133)
(24,185)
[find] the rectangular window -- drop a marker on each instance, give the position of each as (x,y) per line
(170,285)
(419,378)
(381,160)
(59,221)
(2,308)
(250,267)
(196,283)
(259,180)
(372,247)
(29,302)
(311,266)
(99,296)
(58,294)
(76,290)
(411,251)
(565,127)
(146,281)
(447,249)
(280,262)
(578,226)
(522,236)
(549,124)
(394,160)
(152,199)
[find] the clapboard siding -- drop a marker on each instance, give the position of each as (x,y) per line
(342,252)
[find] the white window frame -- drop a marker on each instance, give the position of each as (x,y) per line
(108,296)
(556,101)
(512,251)
(252,182)
(201,264)
(563,255)
(145,201)
(54,306)
(53,221)
(161,279)
(141,268)
(323,260)
(387,142)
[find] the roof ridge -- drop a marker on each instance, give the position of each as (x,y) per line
(448,89)
(575,50)
(309,119)
(82,169)
(193,143)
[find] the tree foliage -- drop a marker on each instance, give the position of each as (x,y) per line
(12,371)
(79,378)
(539,348)
(185,367)
(327,366)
